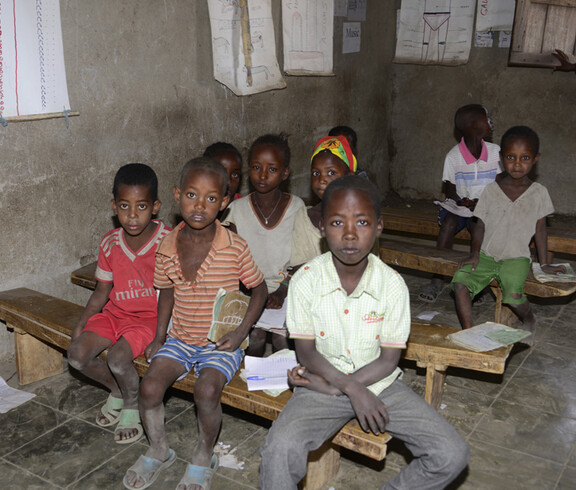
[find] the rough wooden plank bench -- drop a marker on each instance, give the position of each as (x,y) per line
(42,328)
(441,261)
(43,324)
(428,345)
(561,237)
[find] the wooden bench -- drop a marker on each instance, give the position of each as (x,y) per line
(427,345)
(42,328)
(561,237)
(43,324)
(399,253)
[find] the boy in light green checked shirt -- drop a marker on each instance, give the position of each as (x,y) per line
(349,315)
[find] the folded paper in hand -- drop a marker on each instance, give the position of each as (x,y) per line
(228,312)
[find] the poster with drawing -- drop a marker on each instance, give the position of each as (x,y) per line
(243,46)
(308,31)
(435,32)
(32,71)
(495,15)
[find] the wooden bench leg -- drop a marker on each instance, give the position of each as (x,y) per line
(35,360)
(503,314)
(323,465)
(435,376)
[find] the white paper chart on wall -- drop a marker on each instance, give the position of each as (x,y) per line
(32,70)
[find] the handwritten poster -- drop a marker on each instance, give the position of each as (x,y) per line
(495,15)
(435,32)
(243,46)
(32,71)
(308,32)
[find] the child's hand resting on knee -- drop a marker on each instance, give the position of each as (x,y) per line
(471,260)
(370,410)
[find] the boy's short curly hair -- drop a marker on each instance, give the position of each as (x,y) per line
(219,147)
(521,132)
(356,183)
(279,141)
(136,174)
(207,164)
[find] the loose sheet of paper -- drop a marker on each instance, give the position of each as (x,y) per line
(32,71)
(268,373)
(352,34)
(11,397)
(435,32)
(495,15)
(243,46)
(308,35)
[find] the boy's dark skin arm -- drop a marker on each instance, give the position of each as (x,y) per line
(319,375)
(165,305)
(450,192)
(232,340)
(97,301)
(475,245)
(541,241)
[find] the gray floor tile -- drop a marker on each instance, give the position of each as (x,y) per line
(544,392)
(528,430)
(492,467)
(16,478)
(567,480)
(66,453)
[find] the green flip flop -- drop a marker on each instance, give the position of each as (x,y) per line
(111,410)
(129,419)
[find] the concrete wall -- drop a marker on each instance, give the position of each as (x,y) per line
(140,74)
(425,98)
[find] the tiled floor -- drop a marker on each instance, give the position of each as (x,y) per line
(521,426)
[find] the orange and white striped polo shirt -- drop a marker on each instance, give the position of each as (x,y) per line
(228,262)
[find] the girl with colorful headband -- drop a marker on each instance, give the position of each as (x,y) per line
(332,158)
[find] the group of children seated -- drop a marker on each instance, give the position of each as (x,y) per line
(346,312)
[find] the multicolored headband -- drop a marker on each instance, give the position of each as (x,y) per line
(339,146)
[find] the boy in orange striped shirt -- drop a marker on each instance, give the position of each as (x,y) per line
(192,263)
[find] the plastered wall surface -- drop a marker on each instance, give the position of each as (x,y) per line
(140,74)
(425,98)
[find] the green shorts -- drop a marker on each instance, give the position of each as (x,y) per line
(511,274)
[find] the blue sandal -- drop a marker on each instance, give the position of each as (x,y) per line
(148,470)
(199,475)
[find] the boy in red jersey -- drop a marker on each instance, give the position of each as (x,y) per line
(121,313)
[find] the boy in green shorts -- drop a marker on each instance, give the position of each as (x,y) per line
(510,212)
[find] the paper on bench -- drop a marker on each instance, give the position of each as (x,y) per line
(476,339)
(11,397)
(542,276)
(268,373)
